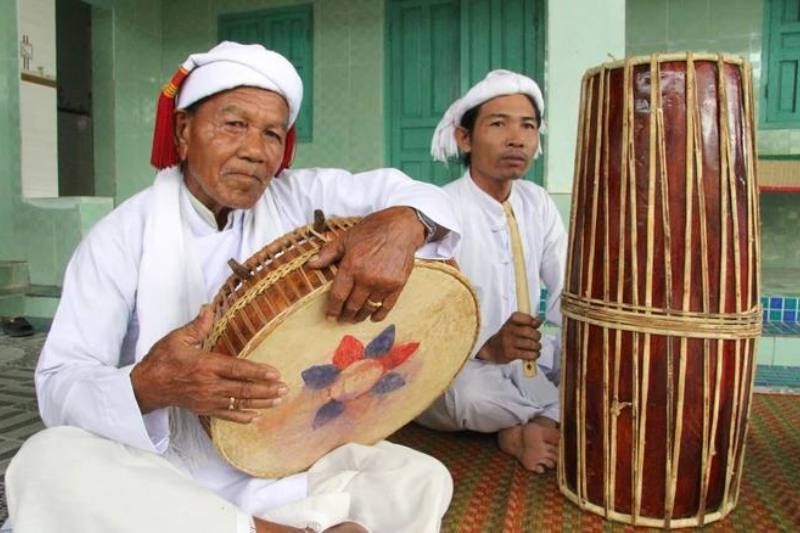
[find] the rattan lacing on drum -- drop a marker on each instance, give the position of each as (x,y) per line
(673,322)
(238,293)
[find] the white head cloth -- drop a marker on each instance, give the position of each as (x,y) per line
(229,65)
(496,83)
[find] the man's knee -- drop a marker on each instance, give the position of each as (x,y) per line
(433,468)
(48,459)
(431,477)
(471,405)
(47,449)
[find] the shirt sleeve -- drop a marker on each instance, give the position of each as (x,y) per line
(340,193)
(83,374)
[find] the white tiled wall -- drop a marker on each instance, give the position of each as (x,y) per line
(37,20)
(38,119)
(571,49)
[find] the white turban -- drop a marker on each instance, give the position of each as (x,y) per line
(229,65)
(496,83)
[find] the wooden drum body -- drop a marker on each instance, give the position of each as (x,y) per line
(661,295)
(347,382)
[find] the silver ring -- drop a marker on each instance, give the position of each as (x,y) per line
(232,404)
(374,305)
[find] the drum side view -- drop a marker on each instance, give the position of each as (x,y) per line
(347,382)
(661,295)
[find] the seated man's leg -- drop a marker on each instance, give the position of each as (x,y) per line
(499,398)
(534,444)
(483,397)
(385,487)
(67,480)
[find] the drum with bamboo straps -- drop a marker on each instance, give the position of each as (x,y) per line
(347,382)
(661,297)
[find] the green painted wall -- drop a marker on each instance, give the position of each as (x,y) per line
(127,88)
(348,71)
(732,26)
(780,245)
(10,247)
(580,34)
(45,232)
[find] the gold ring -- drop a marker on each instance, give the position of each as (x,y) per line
(232,404)
(374,305)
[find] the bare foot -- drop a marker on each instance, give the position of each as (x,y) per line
(539,445)
(346,527)
(262,526)
(510,440)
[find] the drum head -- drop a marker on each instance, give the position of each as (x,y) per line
(353,382)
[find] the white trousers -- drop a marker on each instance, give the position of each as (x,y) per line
(488,397)
(68,480)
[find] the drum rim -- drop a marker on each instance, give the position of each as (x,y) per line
(279,319)
(667,57)
(695,520)
(246,290)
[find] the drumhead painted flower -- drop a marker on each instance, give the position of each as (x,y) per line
(357,370)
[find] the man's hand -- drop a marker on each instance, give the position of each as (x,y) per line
(177,372)
(519,338)
(375,260)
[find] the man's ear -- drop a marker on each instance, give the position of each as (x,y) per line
(183,121)
(463,139)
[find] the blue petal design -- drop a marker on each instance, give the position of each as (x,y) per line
(320,376)
(327,412)
(380,345)
(388,383)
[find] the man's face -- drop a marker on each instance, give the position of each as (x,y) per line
(504,139)
(232,146)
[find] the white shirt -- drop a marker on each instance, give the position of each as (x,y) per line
(485,253)
(82,378)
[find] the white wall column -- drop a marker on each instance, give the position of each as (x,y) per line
(580,35)
(37,98)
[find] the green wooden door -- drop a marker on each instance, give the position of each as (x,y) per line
(437,49)
(288,30)
(423,79)
(782,89)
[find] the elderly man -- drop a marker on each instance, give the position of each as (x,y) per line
(122,369)
(513,238)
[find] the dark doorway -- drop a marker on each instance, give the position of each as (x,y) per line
(74,74)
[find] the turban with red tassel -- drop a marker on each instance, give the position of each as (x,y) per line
(226,66)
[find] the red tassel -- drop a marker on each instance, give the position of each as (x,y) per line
(288,150)
(164,154)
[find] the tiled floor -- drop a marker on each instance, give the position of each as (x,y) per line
(19,416)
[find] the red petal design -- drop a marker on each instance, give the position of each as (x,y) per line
(399,354)
(349,351)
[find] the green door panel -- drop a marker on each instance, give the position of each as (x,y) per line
(423,77)
(436,50)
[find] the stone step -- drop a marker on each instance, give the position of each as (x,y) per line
(14,277)
(41,301)
(12,304)
(34,301)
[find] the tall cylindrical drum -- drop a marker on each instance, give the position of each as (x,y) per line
(660,302)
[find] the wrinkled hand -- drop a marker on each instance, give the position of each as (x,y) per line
(519,338)
(177,372)
(375,260)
